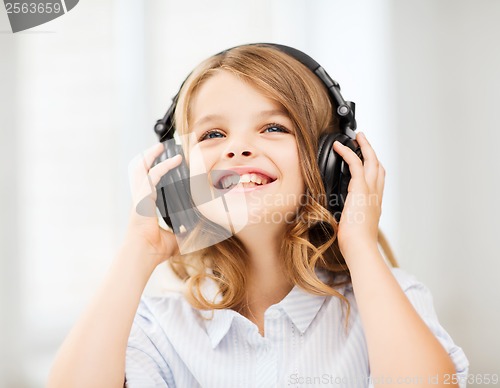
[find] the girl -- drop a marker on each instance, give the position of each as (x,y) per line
(294,298)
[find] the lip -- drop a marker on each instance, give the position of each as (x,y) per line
(217,175)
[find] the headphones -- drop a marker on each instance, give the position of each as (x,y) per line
(335,174)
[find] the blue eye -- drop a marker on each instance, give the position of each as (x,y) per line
(276,128)
(217,134)
(212,134)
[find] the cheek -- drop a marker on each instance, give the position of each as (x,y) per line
(291,193)
(292,166)
(201,160)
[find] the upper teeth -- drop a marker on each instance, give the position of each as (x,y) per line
(234,179)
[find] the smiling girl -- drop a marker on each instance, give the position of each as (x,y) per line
(293,298)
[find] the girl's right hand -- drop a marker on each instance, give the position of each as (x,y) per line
(143,230)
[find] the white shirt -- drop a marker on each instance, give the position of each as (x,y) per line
(306,343)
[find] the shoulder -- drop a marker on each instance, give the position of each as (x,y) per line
(421,298)
(417,292)
(149,348)
(157,309)
(166,303)
(160,320)
(405,279)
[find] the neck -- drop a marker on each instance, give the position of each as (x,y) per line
(266,284)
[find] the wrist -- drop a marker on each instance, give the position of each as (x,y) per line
(139,256)
(359,251)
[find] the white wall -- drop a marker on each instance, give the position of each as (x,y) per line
(64,170)
(79,97)
(10,268)
(446,58)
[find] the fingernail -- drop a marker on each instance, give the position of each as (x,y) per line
(362,135)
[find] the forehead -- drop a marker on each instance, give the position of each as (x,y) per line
(226,94)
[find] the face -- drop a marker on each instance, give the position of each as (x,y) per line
(246,143)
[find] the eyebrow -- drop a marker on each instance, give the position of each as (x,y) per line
(262,115)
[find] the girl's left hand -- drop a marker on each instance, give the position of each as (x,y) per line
(358,226)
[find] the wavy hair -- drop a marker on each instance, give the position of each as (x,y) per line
(310,240)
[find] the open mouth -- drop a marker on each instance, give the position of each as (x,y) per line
(228,180)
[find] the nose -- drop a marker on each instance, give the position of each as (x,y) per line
(239,150)
(232,154)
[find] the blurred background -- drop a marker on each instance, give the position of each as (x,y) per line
(80,94)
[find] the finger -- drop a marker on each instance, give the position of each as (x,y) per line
(140,164)
(147,187)
(371,162)
(156,172)
(350,157)
(143,180)
(150,154)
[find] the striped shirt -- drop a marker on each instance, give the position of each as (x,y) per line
(306,342)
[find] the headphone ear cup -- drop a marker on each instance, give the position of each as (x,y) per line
(173,193)
(329,168)
(334,170)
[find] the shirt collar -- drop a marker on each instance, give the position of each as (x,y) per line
(301,306)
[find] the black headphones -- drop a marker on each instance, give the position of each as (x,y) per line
(334,171)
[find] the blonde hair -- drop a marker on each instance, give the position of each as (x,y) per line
(310,241)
